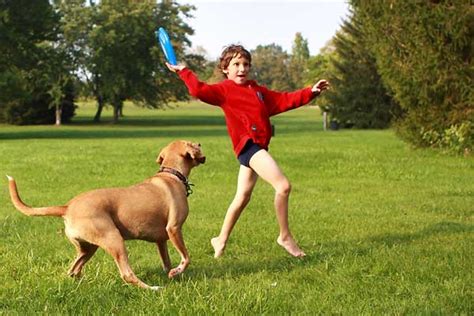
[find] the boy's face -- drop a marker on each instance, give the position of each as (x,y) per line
(238,69)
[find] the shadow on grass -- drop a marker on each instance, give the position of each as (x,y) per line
(364,247)
(110,133)
(441,228)
(157,121)
(136,127)
(234,267)
(333,251)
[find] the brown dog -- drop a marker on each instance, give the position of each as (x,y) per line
(154,210)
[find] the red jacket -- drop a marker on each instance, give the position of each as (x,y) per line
(247,108)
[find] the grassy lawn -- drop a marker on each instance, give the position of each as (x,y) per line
(387,229)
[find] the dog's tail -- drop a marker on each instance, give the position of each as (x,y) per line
(32,211)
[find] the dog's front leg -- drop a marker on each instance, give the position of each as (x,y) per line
(165,258)
(176,237)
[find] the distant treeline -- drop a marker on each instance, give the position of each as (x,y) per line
(406,64)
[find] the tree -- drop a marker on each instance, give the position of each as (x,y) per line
(424,55)
(358,98)
(26,43)
(319,66)
(198,59)
(116,50)
(77,21)
(270,67)
(298,66)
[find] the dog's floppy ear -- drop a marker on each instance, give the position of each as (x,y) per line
(161,156)
(190,151)
(193,151)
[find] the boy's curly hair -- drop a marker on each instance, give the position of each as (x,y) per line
(230,52)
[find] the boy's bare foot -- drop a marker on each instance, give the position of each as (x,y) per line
(218,247)
(291,247)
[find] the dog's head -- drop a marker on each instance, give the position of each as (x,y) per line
(177,150)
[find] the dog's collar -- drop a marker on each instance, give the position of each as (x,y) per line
(181,177)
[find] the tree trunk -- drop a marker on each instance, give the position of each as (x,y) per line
(325,120)
(116,113)
(100,102)
(58,115)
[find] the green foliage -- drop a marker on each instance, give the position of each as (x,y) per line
(318,68)
(199,61)
(13,84)
(39,111)
(358,97)
(270,67)
(274,68)
(115,49)
(21,31)
(202,67)
(456,139)
(298,63)
(30,64)
(424,55)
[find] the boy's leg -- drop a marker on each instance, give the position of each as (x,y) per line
(245,184)
(267,168)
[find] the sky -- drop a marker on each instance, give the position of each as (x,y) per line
(218,23)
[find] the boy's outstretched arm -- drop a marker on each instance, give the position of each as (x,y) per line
(280,102)
(212,94)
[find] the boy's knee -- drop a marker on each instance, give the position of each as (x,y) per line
(244,197)
(283,187)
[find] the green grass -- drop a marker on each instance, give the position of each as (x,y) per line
(387,229)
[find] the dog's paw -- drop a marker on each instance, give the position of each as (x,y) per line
(174,272)
(156,288)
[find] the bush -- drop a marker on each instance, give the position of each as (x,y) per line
(423,51)
(38,110)
(455,139)
(358,98)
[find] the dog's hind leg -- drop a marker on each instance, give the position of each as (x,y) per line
(85,251)
(114,244)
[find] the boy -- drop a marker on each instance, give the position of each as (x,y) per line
(247,108)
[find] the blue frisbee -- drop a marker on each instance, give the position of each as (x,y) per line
(165,43)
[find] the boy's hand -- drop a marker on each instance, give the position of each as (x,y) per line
(175,68)
(320,86)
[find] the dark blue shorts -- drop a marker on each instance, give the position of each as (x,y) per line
(247,152)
